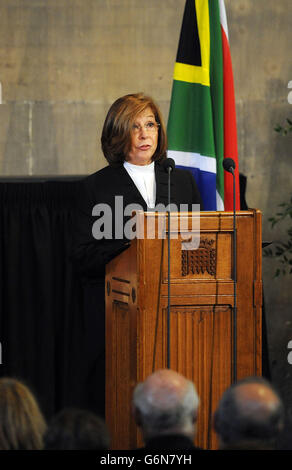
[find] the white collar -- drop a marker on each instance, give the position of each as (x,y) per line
(139,168)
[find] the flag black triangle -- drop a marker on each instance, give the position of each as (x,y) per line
(189,51)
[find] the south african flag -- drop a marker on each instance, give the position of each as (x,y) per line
(202,119)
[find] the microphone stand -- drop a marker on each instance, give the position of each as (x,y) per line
(168,165)
(168,273)
(234,282)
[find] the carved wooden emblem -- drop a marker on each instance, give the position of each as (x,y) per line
(201,260)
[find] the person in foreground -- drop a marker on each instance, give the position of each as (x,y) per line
(22,424)
(134,144)
(76,429)
(165,407)
(249,416)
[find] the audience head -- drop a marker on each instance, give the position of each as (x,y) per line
(166,403)
(22,424)
(75,429)
(250,415)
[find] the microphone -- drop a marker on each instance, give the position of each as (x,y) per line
(229,165)
(168,164)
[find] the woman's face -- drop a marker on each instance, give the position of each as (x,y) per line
(144,138)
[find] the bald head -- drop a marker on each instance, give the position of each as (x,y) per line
(165,388)
(256,401)
(249,411)
(166,403)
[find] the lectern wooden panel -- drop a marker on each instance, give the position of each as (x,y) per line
(201,314)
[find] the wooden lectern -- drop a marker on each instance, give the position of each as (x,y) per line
(201,314)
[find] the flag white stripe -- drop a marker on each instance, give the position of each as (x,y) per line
(219,202)
(193,160)
(223,17)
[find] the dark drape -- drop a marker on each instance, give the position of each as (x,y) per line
(46,332)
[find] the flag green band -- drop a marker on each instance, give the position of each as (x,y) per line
(190,127)
(216,87)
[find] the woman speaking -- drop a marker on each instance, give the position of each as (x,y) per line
(134,144)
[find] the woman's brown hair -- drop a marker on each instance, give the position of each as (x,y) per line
(22,424)
(116,133)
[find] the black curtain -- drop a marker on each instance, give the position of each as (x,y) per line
(44,327)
